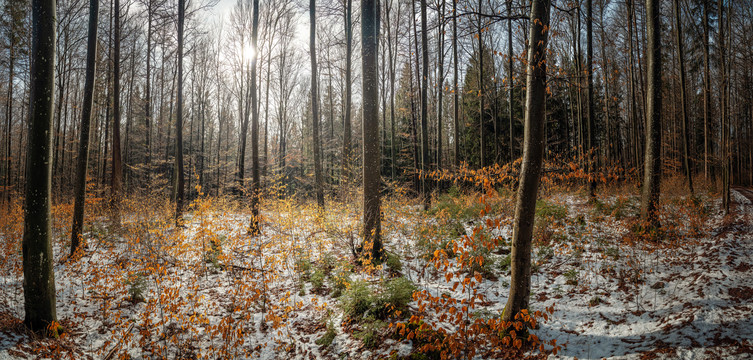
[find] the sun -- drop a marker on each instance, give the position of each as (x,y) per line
(249,52)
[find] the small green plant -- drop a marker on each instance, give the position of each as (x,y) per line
(546,210)
(393,263)
(456,207)
(571,277)
(136,286)
(594,301)
(357,301)
(340,280)
(398,292)
(327,263)
(303,267)
(504,263)
(317,280)
(371,333)
(545,253)
(328,337)
(613,252)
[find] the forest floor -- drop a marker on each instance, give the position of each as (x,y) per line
(146,289)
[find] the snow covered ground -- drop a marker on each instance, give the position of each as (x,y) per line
(149,290)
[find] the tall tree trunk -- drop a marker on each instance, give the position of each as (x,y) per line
(455,95)
(440,82)
(592,156)
(418,153)
(9,107)
(117,165)
(652,172)
(106,141)
(533,152)
(315,109)
(413,126)
(683,97)
(706,90)
(481,95)
(39,277)
(392,84)
(723,110)
(424,106)
(609,145)
(256,183)
(510,79)
(86,115)
(371,153)
(180,177)
(347,155)
(148,95)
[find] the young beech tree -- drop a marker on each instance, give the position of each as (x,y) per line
(533,151)
(86,115)
(39,278)
(652,169)
(371,179)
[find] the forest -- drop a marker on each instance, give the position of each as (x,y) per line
(376,179)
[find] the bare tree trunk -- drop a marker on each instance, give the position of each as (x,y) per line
(424,107)
(117,165)
(392,84)
(533,152)
(315,109)
(683,97)
(347,155)
(106,141)
(592,156)
(455,95)
(9,106)
(180,177)
(148,95)
(86,115)
(371,153)
(440,82)
(39,277)
(706,90)
(413,127)
(509,79)
(652,172)
(481,95)
(256,183)
(724,101)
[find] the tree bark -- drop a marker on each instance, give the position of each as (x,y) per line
(533,152)
(455,95)
(683,98)
(347,155)
(39,277)
(510,79)
(86,115)
(256,183)
(440,82)
(482,134)
(117,165)
(180,177)
(652,168)
(370,130)
(424,107)
(592,157)
(724,101)
(319,188)
(706,90)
